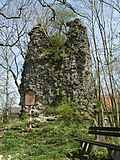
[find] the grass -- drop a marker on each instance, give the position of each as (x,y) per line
(53,140)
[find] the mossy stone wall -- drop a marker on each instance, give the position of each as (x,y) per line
(69,76)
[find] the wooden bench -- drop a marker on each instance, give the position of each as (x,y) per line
(113,149)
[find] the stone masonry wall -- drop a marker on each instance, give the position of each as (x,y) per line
(52,80)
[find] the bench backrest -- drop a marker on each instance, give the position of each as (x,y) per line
(105,131)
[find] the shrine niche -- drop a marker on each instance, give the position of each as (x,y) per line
(29,98)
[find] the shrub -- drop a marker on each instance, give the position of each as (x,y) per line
(66,110)
(56,50)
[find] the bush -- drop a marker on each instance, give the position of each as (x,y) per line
(66,110)
(56,50)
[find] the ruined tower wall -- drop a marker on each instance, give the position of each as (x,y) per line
(51,80)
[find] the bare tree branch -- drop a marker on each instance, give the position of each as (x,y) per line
(18,38)
(68,5)
(44,4)
(12,17)
(110,4)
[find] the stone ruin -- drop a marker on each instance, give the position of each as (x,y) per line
(70,77)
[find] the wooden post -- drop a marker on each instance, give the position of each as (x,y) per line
(30,118)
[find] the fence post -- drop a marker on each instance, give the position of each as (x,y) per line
(30,118)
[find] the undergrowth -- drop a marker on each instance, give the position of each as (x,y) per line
(51,141)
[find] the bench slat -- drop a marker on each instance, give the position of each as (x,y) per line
(104,133)
(107,145)
(105,128)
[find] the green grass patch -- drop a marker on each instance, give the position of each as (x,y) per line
(51,141)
